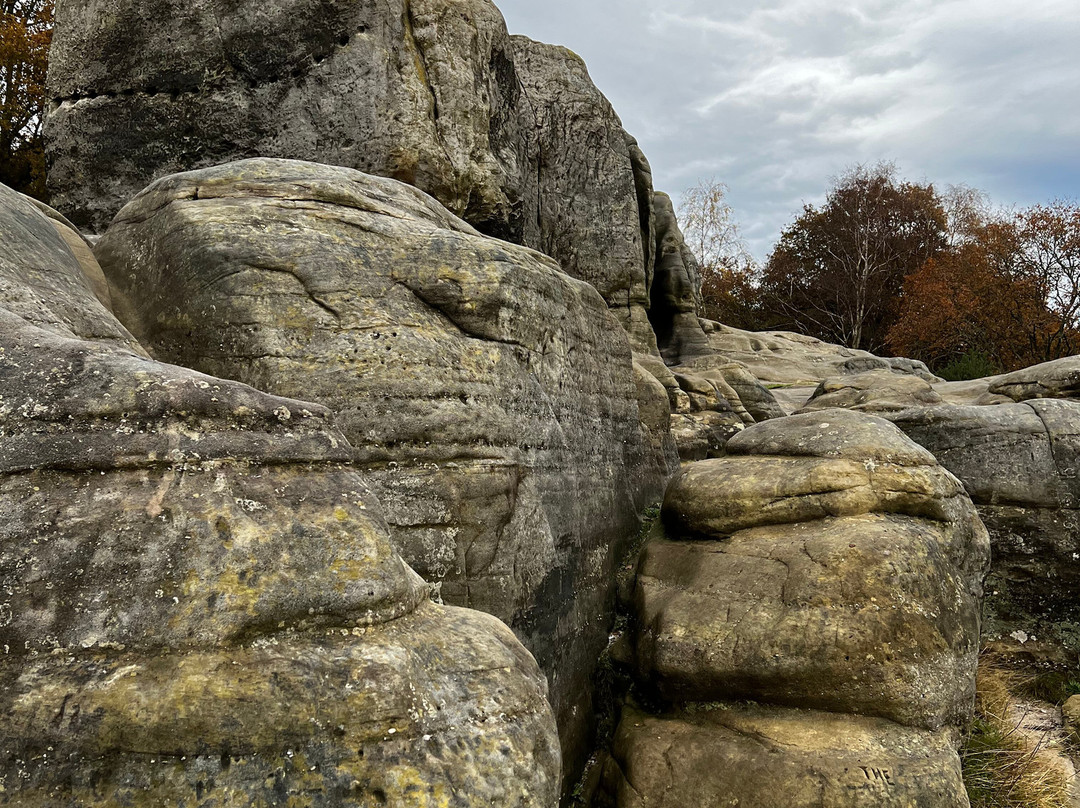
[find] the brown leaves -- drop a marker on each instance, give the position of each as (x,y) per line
(1009,290)
(837,271)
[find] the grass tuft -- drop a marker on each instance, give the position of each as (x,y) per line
(1003,766)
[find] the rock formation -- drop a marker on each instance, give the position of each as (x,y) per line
(489,398)
(1057,379)
(582,203)
(199,600)
(497,324)
(829,570)
(873,391)
(405,90)
(509,134)
(783,357)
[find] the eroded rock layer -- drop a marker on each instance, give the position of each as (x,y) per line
(581,199)
(489,398)
(199,600)
(762,757)
(1018,462)
(413,89)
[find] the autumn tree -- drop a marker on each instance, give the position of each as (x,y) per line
(838,271)
(1049,259)
(1007,289)
(971,300)
(25,36)
(728,271)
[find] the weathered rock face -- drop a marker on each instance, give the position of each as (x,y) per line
(783,357)
(715,398)
(1018,463)
(676,290)
(509,134)
(410,90)
(764,757)
(489,398)
(1057,379)
(200,602)
(827,563)
(581,197)
(33,289)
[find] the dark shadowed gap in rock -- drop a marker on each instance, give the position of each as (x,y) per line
(662,312)
(503,136)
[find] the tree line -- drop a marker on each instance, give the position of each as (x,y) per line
(901,268)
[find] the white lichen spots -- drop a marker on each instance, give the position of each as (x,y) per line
(283,414)
(249,505)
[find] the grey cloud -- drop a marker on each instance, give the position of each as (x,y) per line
(777,97)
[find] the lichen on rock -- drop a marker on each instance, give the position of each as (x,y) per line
(199,600)
(489,398)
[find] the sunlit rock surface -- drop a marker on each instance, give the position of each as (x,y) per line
(829,570)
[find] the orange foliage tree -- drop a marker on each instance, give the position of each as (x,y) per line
(25,36)
(1009,290)
(1049,237)
(729,295)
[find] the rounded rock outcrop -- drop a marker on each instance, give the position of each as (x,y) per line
(482,390)
(199,599)
(829,571)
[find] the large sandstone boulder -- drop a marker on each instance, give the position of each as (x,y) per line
(199,600)
(793,365)
(826,563)
(784,357)
(413,90)
(582,204)
(762,757)
(489,398)
(873,391)
(715,398)
(1057,379)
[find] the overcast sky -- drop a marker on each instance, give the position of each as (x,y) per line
(775,97)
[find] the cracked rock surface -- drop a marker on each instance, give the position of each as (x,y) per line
(200,601)
(754,756)
(830,570)
(489,398)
